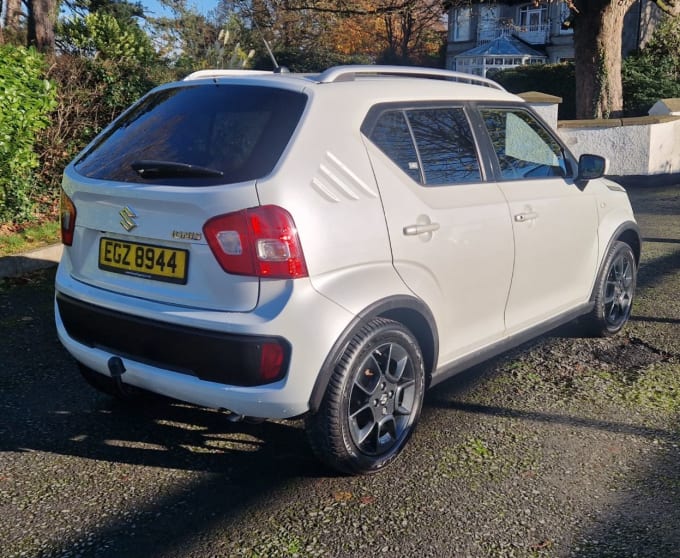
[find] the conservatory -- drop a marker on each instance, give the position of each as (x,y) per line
(502,53)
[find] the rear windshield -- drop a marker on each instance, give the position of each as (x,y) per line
(197,136)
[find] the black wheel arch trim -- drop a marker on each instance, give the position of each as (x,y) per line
(627,232)
(410,311)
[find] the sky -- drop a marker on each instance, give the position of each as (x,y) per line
(155,8)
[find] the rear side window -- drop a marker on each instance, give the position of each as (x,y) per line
(197,135)
(434,146)
(393,136)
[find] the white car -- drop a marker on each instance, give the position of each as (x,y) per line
(331,245)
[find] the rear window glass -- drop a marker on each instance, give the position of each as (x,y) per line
(197,135)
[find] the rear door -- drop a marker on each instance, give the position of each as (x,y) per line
(554,222)
(449,228)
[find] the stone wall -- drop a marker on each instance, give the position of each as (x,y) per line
(643,149)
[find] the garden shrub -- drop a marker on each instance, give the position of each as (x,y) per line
(553,79)
(27,99)
(653,73)
(91,93)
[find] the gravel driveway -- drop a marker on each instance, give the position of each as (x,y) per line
(565,447)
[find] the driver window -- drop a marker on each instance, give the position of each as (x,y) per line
(524,148)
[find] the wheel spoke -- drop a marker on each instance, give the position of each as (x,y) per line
(405,398)
(386,434)
(369,378)
(360,435)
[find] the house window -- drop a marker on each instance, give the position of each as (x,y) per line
(488,28)
(532,17)
(462,24)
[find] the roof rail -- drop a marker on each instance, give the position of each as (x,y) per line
(203,74)
(350,72)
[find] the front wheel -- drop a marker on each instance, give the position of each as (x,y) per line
(372,402)
(614,292)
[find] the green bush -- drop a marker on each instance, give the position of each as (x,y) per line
(654,72)
(553,79)
(27,99)
(91,93)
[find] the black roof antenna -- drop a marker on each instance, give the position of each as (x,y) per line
(277,69)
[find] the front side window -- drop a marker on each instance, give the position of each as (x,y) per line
(523,146)
(434,146)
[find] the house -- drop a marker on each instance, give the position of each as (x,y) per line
(486,35)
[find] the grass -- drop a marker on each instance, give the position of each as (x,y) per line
(30,238)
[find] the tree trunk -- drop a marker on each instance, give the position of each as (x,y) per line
(42,15)
(598,31)
(13,15)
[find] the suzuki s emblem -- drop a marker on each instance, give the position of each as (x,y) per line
(127,218)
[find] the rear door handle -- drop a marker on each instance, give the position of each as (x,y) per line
(529,216)
(414,230)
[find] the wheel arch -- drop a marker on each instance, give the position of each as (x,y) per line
(627,232)
(630,234)
(408,311)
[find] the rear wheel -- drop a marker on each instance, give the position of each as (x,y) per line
(372,402)
(114,388)
(614,292)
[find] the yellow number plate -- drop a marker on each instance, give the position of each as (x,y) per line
(143,260)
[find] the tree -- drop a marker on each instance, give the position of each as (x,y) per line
(12,29)
(653,73)
(598,29)
(42,18)
(100,34)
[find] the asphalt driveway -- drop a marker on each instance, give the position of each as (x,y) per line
(565,447)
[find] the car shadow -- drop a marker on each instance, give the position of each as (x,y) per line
(47,407)
(233,466)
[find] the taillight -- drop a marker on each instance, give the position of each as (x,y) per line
(271,362)
(260,241)
(67,219)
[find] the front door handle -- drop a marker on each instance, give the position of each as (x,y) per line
(414,230)
(529,216)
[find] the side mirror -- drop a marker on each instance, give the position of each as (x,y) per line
(590,167)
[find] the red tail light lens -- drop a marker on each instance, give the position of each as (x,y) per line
(271,362)
(260,241)
(67,219)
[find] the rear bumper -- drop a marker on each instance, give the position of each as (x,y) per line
(192,355)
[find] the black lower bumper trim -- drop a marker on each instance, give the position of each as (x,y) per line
(209,355)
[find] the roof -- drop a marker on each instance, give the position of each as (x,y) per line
(503,46)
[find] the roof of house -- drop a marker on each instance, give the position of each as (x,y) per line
(503,46)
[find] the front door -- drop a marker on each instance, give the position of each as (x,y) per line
(554,222)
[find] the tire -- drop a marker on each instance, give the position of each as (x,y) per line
(372,402)
(614,292)
(116,389)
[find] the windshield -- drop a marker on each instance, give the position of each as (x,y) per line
(197,135)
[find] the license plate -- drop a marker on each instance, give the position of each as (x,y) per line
(144,260)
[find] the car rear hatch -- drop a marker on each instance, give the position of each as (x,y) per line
(145,188)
